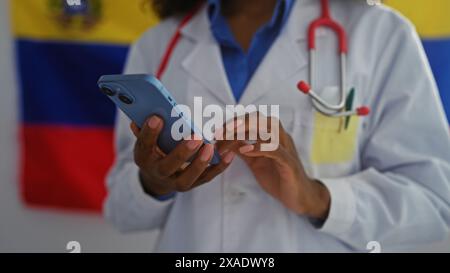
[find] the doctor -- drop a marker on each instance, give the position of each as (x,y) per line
(334,184)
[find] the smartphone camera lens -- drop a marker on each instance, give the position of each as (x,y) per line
(107,91)
(125,99)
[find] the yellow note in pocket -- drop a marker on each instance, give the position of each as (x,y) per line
(332,143)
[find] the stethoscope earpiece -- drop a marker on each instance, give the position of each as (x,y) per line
(363,111)
(303,87)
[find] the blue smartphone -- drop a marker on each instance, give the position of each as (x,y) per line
(141,96)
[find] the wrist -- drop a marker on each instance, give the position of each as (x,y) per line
(151,188)
(318,200)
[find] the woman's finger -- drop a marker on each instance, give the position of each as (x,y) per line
(135,129)
(215,170)
(254,150)
(190,174)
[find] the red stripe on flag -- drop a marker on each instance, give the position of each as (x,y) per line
(65,167)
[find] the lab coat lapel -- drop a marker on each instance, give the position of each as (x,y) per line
(282,62)
(287,56)
(204,63)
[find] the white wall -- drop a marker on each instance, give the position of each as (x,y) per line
(26,230)
(23,229)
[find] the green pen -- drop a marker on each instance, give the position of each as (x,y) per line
(349,106)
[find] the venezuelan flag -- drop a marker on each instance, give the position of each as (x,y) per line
(62,48)
(432,19)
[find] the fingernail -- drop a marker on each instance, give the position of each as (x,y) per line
(247,148)
(193,144)
(206,153)
(154,122)
(229,157)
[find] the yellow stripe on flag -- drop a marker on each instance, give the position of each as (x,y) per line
(431,17)
(112,21)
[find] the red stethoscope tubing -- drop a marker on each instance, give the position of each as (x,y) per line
(173,44)
(326,21)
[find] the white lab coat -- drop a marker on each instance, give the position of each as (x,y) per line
(394,189)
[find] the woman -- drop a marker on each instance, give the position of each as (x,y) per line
(333,184)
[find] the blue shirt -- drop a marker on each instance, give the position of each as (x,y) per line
(240,65)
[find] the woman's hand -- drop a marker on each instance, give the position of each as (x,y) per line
(280,171)
(164,174)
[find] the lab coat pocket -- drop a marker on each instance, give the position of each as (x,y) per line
(333,141)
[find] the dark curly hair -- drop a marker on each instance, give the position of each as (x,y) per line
(168,8)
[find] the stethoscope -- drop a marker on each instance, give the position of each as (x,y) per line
(320,104)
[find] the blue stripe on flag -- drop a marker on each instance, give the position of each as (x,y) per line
(438,51)
(59,82)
